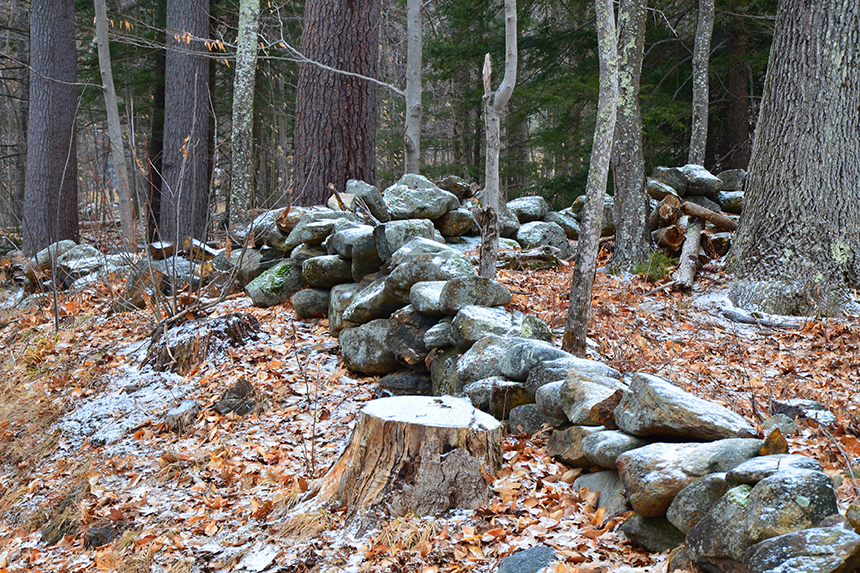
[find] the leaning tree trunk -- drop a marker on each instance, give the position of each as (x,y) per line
(242,137)
(335,127)
(585,266)
(51,187)
(494,104)
(413,454)
(701,57)
(185,195)
(412,134)
(797,250)
(632,237)
(117,152)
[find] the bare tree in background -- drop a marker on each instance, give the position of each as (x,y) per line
(701,57)
(414,63)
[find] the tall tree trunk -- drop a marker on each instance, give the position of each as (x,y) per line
(797,250)
(335,129)
(737,84)
(701,57)
(632,238)
(414,63)
(51,189)
(585,266)
(242,141)
(117,166)
(494,104)
(185,195)
(155,152)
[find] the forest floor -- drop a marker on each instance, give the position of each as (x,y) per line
(218,496)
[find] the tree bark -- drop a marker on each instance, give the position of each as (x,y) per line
(155,152)
(414,454)
(414,63)
(185,195)
(494,104)
(632,238)
(51,188)
(701,58)
(242,137)
(335,128)
(585,266)
(797,250)
(117,166)
(737,85)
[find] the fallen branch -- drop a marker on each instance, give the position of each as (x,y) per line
(718,220)
(686,272)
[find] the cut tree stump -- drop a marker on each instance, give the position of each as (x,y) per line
(414,454)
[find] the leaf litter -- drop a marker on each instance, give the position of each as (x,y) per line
(78,411)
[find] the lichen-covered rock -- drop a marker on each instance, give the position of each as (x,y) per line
(538,233)
(456,185)
(405,202)
(579,393)
(276,285)
(603,448)
(754,470)
(394,235)
(654,474)
(371,197)
(424,296)
(731,201)
(414,247)
(542,372)
(327,271)
(483,358)
(733,179)
(566,220)
(654,534)
(548,400)
(475,322)
(673,177)
(718,539)
(441,266)
(365,348)
(817,550)
(655,406)
(372,303)
(695,501)
(342,242)
(339,298)
(658,190)
(456,222)
(465,290)
(311,302)
(407,330)
(700,181)
(566,445)
(528,209)
(497,396)
(440,335)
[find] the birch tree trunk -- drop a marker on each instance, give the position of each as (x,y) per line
(414,110)
(117,166)
(494,104)
(585,266)
(632,236)
(242,139)
(701,56)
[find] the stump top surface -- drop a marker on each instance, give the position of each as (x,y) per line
(440,411)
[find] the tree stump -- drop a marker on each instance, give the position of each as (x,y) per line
(414,454)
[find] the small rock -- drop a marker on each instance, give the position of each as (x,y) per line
(810,409)
(528,209)
(786,425)
(754,470)
(372,303)
(443,372)
(342,242)
(532,560)
(548,400)
(340,297)
(694,501)
(580,393)
(440,335)
(406,335)
(371,197)
(276,285)
(543,369)
(365,348)
(407,383)
(475,322)
(603,448)
(658,190)
(183,416)
(566,445)
(430,267)
(700,181)
(654,534)
(528,419)
(731,201)
(733,179)
(327,271)
(497,396)
(99,535)
(673,177)
(610,486)
(311,302)
(240,399)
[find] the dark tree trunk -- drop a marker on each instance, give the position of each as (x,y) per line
(155,151)
(335,129)
(797,250)
(51,189)
(185,195)
(632,236)
(737,84)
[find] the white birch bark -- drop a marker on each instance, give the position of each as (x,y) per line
(242,140)
(701,57)
(117,155)
(414,110)
(585,266)
(494,104)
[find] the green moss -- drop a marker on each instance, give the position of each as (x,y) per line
(739,495)
(657,267)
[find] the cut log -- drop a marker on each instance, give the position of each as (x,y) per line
(716,219)
(669,238)
(414,454)
(716,245)
(543,257)
(665,214)
(686,272)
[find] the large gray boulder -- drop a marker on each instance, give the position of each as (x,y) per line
(539,233)
(339,299)
(483,358)
(406,332)
(424,296)
(371,197)
(430,267)
(579,393)
(305,251)
(371,303)
(342,242)
(314,226)
(456,185)
(542,372)
(327,271)
(655,406)
(248,264)
(406,202)
(528,209)
(417,246)
(276,285)
(700,181)
(462,291)
(311,302)
(455,223)
(548,400)
(658,190)
(365,348)
(440,335)
(816,550)
(673,177)
(394,235)
(497,396)
(475,322)
(754,470)
(695,501)
(566,220)
(654,474)
(603,448)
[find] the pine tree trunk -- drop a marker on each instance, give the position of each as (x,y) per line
(51,188)
(155,152)
(117,165)
(242,140)
(414,63)
(737,84)
(335,128)
(701,58)
(632,237)
(185,195)
(585,266)
(797,250)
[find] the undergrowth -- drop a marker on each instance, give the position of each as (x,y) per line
(657,267)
